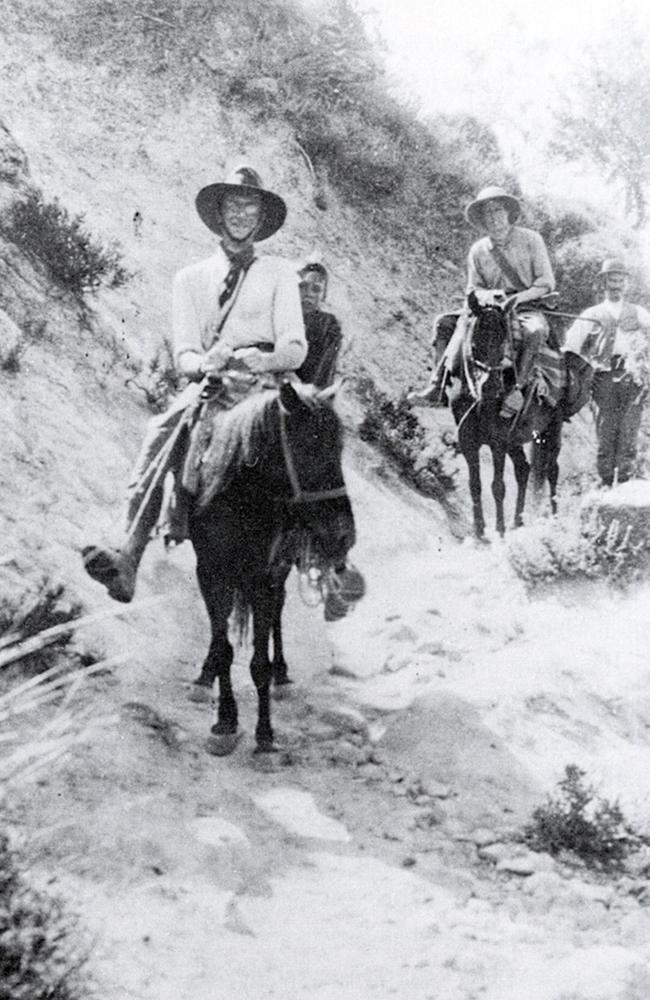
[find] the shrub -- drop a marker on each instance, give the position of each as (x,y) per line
(394,428)
(74,260)
(10,360)
(159,380)
(40,955)
(566,548)
(26,615)
(593,829)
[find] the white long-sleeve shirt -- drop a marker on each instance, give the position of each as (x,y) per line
(266,309)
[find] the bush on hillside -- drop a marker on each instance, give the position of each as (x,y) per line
(159,379)
(394,428)
(577,821)
(568,548)
(25,614)
(579,240)
(40,954)
(11,358)
(469,148)
(73,258)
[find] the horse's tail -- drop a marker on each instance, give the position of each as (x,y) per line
(240,618)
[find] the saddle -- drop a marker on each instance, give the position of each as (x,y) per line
(217,399)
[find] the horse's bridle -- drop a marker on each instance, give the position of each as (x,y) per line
(300,495)
(486,370)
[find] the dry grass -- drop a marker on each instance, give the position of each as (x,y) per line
(43,949)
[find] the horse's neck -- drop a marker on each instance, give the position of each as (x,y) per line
(489,338)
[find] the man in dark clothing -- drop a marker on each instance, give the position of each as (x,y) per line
(322,329)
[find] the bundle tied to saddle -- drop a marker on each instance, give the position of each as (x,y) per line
(213,436)
(224,439)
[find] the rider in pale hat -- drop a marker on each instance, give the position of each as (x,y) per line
(511,260)
(614,336)
(474,211)
(236,320)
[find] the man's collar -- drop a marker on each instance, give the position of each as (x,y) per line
(242,256)
(492,244)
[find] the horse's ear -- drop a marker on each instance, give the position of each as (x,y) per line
(472,302)
(327,394)
(289,397)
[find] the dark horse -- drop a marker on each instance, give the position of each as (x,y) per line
(282,489)
(476,409)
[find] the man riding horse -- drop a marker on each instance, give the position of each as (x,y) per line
(508,264)
(236,318)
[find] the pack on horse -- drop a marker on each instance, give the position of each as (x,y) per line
(275,493)
(477,405)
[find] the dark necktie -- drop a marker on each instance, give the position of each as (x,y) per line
(239,264)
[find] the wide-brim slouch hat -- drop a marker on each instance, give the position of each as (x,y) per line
(473,212)
(613,265)
(243,179)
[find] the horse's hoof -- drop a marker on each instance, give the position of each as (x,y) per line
(280,680)
(222,744)
(266,746)
(200,694)
(281,688)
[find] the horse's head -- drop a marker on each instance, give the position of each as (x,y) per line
(311,439)
(487,338)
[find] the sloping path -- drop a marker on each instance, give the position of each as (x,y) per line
(369,858)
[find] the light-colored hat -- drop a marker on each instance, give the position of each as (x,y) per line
(473,212)
(242,179)
(613,265)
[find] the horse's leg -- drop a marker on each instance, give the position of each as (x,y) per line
(544,460)
(278,664)
(218,598)
(498,485)
(521,470)
(261,671)
(538,467)
(552,444)
(474,469)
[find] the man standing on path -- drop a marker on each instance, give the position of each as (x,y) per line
(322,329)
(618,346)
(234,305)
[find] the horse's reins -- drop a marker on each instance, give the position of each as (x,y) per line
(300,495)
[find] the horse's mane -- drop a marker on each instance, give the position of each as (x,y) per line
(238,436)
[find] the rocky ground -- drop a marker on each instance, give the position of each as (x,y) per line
(376,853)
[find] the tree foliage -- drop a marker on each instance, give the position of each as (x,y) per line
(605,120)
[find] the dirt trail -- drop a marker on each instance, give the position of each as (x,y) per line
(369,857)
